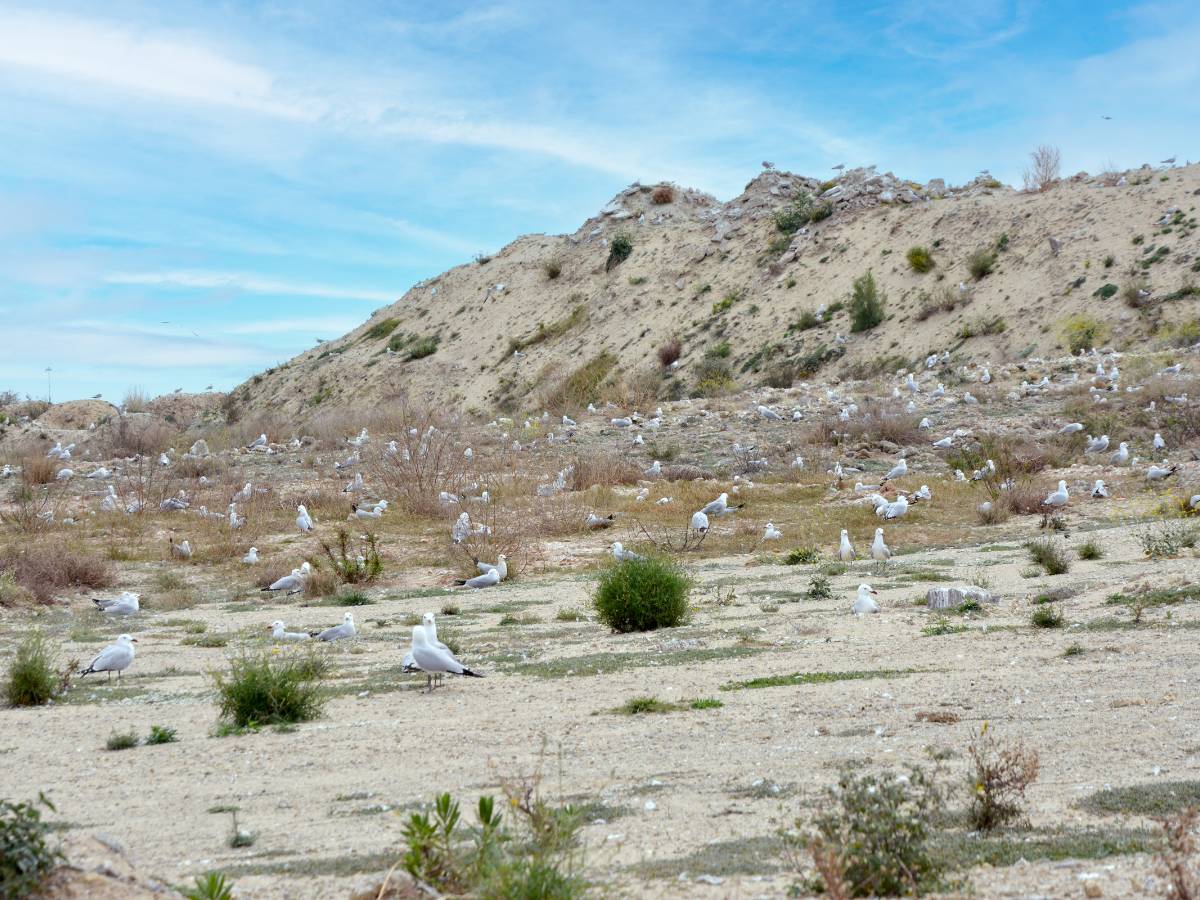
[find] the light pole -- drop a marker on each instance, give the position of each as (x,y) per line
(48,370)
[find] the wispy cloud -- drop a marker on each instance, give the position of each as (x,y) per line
(242,281)
(327,326)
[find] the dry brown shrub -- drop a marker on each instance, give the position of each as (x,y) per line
(602,469)
(829,869)
(938,717)
(430,459)
(877,423)
(683,472)
(670,352)
(999,777)
(509,531)
(48,566)
(1043,169)
(135,435)
(1024,498)
(662,194)
(39,469)
(1177,862)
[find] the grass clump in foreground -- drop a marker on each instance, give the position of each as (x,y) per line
(1090,549)
(1046,616)
(263,689)
(1050,556)
(211,886)
(798,678)
(532,853)
(802,556)
(33,675)
(920,259)
(1155,798)
(873,840)
(642,595)
(998,778)
(161,734)
(25,856)
(122,740)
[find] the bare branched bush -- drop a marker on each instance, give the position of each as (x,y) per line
(34,508)
(136,435)
(429,460)
(664,193)
(998,779)
(48,566)
(135,400)
(588,470)
(1043,169)
(38,469)
(670,352)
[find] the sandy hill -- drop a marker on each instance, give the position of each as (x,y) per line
(559,320)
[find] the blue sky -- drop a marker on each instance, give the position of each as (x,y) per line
(190,193)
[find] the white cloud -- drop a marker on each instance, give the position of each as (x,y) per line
(127,347)
(248,282)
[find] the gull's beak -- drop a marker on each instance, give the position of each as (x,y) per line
(134,640)
(873,591)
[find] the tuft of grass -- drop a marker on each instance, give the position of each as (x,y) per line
(1167,540)
(381,329)
(642,595)
(33,675)
(570,615)
(122,740)
(1090,549)
(423,347)
(998,778)
(1083,332)
(981,263)
(920,259)
(260,689)
(552,268)
(670,352)
(1051,556)
(819,588)
(1074,650)
(161,734)
(638,705)
(1046,616)
(619,249)
(211,886)
(706,703)
(797,214)
(799,678)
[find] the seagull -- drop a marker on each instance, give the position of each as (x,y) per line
(945,443)
(569,422)
(1071,428)
(700,521)
(880,552)
(235,521)
(490,578)
(923,493)
(845,549)
(125,605)
(899,470)
(620,554)
(1158,473)
(1120,456)
(260,441)
(291,584)
(461,529)
(433,660)
(596,523)
(895,510)
(720,506)
(251,556)
(182,550)
(769,414)
(1099,490)
(654,470)
(1059,497)
(500,567)
(303,520)
(99,473)
(863,603)
(911,384)
(771,533)
(1096,445)
(1159,443)
(114,658)
(367,512)
(338,632)
(986,377)
(355,484)
(938,392)
(278,633)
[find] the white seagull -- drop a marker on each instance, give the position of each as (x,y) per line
(771,533)
(863,603)
(700,521)
(339,632)
(845,549)
(125,605)
(501,566)
(114,658)
(1099,490)
(303,520)
(433,660)
(1059,497)
(251,556)
(490,578)
(279,634)
(880,552)
(620,554)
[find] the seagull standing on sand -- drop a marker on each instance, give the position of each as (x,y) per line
(303,520)
(880,552)
(461,529)
(1099,490)
(1059,497)
(845,549)
(434,660)
(291,584)
(1158,473)
(863,604)
(1120,456)
(114,658)
(1096,445)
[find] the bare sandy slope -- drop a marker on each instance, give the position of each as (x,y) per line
(689,255)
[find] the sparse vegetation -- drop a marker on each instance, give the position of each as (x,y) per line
(998,779)
(26,856)
(619,249)
(802,556)
(552,268)
(381,329)
(1046,616)
(122,740)
(1050,555)
(210,886)
(670,352)
(1090,549)
(1167,540)
(34,677)
(1043,169)
(1083,332)
(45,567)
(981,263)
(161,734)
(797,214)
(819,588)
(642,595)
(662,195)
(419,348)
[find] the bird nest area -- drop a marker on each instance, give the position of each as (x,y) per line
(770,665)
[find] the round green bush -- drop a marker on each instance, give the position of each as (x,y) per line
(642,595)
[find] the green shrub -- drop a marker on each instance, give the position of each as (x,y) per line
(1083,332)
(642,595)
(25,856)
(1050,556)
(802,556)
(1106,290)
(1167,540)
(1090,549)
(1046,616)
(619,249)
(998,779)
(266,690)
(714,377)
(381,329)
(161,734)
(33,676)
(920,259)
(867,304)
(122,740)
(796,214)
(211,886)
(552,268)
(808,319)
(819,588)
(981,263)
(821,212)
(873,838)
(423,347)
